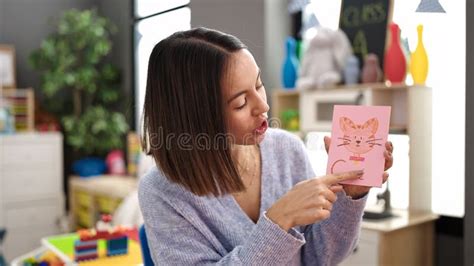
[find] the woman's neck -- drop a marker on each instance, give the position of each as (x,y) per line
(241,152)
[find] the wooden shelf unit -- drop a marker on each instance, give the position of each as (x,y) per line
(411,114)
(395,95)
(408,238)
(22,106)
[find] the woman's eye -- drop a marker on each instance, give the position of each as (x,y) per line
(243,105)
(260,86)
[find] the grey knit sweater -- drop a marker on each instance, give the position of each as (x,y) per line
(185,229)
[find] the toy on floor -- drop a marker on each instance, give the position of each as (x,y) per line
(86,248)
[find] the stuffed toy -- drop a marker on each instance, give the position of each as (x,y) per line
(324,59)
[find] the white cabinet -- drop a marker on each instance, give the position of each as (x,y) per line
(31,189)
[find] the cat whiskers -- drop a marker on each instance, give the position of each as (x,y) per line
(373,143)
(345,139)
(372,140)
(343,144)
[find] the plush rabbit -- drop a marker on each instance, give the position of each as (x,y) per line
(324,60)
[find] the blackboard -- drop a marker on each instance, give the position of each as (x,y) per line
(365,23)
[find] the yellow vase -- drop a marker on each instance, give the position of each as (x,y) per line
(419,60)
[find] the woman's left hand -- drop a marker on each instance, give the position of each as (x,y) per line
(359,191)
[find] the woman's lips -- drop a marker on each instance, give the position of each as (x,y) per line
(262,128)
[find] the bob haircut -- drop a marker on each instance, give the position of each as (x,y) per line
(183,116)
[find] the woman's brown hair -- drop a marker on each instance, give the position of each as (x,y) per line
(183,116)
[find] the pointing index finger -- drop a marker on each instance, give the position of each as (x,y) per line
(337,178)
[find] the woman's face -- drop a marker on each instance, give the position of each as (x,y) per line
(245,100)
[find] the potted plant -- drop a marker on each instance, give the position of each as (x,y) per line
(79,86)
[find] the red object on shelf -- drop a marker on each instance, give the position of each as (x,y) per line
(395,66)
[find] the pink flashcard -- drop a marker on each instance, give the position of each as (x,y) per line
(358,141)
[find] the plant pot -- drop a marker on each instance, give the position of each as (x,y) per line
(89,166)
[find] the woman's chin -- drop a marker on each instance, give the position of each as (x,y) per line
(252,139)
(259,138)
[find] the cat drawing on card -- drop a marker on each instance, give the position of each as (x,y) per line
(359,139)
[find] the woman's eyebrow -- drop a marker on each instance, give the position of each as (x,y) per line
(244,91)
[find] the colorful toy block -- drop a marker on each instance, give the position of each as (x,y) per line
(117,246)
(86,248)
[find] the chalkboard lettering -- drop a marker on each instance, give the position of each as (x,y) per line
(365,24)
(356,16)
(360,44)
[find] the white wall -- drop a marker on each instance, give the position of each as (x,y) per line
(262,25)
(444,38)
(25,23)
(277,29)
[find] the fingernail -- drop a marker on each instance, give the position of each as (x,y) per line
(359,172)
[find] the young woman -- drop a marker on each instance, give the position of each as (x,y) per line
(227,189)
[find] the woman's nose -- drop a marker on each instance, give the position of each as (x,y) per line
(261,106)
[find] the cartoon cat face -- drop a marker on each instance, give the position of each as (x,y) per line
(358,139)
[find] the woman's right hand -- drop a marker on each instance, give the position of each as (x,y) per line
(309,201)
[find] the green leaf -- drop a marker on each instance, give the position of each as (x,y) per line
(72,59)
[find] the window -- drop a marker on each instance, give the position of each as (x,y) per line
(148,32)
